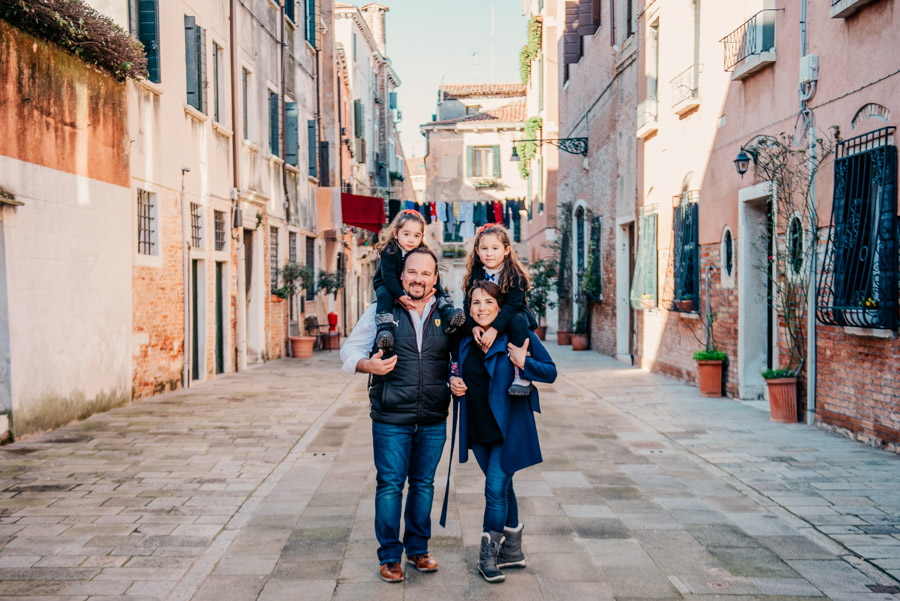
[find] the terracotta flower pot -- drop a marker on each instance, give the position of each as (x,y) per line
(302,346)
(580,342)
(783,400)
(686,305)
(563,337)
(710,378)
(541,332)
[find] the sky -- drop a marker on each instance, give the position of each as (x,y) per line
(430,40)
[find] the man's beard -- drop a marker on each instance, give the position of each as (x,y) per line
(416,295)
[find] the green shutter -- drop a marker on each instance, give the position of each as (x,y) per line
(357,118)
(148,33)
(273,123)
(311,22)
(192,65)
(289,9)
(392,102)
(291,133)
(470,161)
(496,161)
(313,145)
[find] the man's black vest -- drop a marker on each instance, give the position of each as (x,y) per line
(416,391)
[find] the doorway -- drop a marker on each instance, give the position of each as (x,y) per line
(220,317)
(625,331)
(198,315)
(757,319)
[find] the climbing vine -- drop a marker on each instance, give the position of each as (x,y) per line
(531,49)
(527,150)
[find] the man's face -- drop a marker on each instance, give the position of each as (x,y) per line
(419,275)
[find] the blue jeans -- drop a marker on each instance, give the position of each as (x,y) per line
(500,505)
(405,453)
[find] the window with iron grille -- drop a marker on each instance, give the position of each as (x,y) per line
(273,255)
(644,288)
(196,226)
(311,263)
(220,229)
(859,278)
(683,271)
(146,205)
(292,247)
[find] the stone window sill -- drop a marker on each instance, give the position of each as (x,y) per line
(198,115)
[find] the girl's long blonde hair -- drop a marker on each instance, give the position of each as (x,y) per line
(402,218)
(513,273)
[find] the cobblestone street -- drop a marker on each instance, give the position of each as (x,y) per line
(260,485)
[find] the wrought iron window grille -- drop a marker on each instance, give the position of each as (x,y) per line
(292,247)
(196,226)
(219,219)
(644,287)
(754,36)
(682,289)
(858,284)
(146,223)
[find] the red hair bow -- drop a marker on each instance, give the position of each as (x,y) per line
(485,226)
(410,212)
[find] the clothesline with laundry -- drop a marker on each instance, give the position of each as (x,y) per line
(467,215)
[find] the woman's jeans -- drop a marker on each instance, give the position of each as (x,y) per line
(500,506)
(405,453)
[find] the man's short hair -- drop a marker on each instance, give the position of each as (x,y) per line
(424,250)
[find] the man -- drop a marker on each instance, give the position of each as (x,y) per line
(408,400)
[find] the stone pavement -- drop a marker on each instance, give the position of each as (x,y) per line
(260,485)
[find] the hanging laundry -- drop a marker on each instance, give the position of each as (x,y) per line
(432,210)
(393,209)
(498,212)
(442,211)
(468,225)
(409,204)
(507,222)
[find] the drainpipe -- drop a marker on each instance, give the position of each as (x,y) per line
(813,232)
(240,346)
(185,257)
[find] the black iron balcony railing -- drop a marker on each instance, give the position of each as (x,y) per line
(647,111)
(755,36)
(684,85)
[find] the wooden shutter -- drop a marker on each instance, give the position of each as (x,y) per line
(202,83)
(470,161)
(312,145)
(612,22)
(273,123)
(291,133)
(192,67)
(289,9)
(324,165)
(357,118)
(311,22)
(392,103)
(148,34)
(496,153)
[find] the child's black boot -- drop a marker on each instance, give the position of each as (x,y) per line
(384,335)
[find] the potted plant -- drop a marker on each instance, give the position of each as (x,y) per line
(790,169)
(685,304)
(542,273)
(580,335)
(709,368)
(562,257)
(331,283)
(297,277)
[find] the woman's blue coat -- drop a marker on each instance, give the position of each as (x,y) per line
(514,414)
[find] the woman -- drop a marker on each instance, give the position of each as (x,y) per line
(499,428)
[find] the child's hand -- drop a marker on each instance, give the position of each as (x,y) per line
(477,333)
(406,302)
(488,338)
(517,354)
(457,386)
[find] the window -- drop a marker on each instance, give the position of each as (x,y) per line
(859,279)
(313,144)
(289,10)
(219,222)
(219,74)
(291,133)
(727,253)
(273,123)
(245,92)
(196,226)
(195,63)
(311,26)
(644,283)
(795,245)
(147,236)
(483,161)
(273,255)
(593,288)
(292,247)
(311,263)
(354,47)
(683,273)
(144,18)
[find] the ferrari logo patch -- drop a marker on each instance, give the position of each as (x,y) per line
(437,322)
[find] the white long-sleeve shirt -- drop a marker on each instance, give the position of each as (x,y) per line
(359,344)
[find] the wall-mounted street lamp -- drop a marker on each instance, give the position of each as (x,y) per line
(570,145)
(742,161)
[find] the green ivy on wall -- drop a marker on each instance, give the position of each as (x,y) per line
(528,150)
(531,49)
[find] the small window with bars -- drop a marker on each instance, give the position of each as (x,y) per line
(292,247)
(644,287)
(858,284)
(219,220)
(273,255)
(196,226)
(683,271)
(147,220)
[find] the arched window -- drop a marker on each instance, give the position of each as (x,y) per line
(795,244)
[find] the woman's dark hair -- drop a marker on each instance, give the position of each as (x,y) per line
(489,288)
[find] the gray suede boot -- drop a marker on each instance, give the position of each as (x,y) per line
(487,558)
(511,555)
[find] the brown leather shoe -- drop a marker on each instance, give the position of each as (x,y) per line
(391,572)
(423,562)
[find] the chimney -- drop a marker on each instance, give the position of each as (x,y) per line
(374,16)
